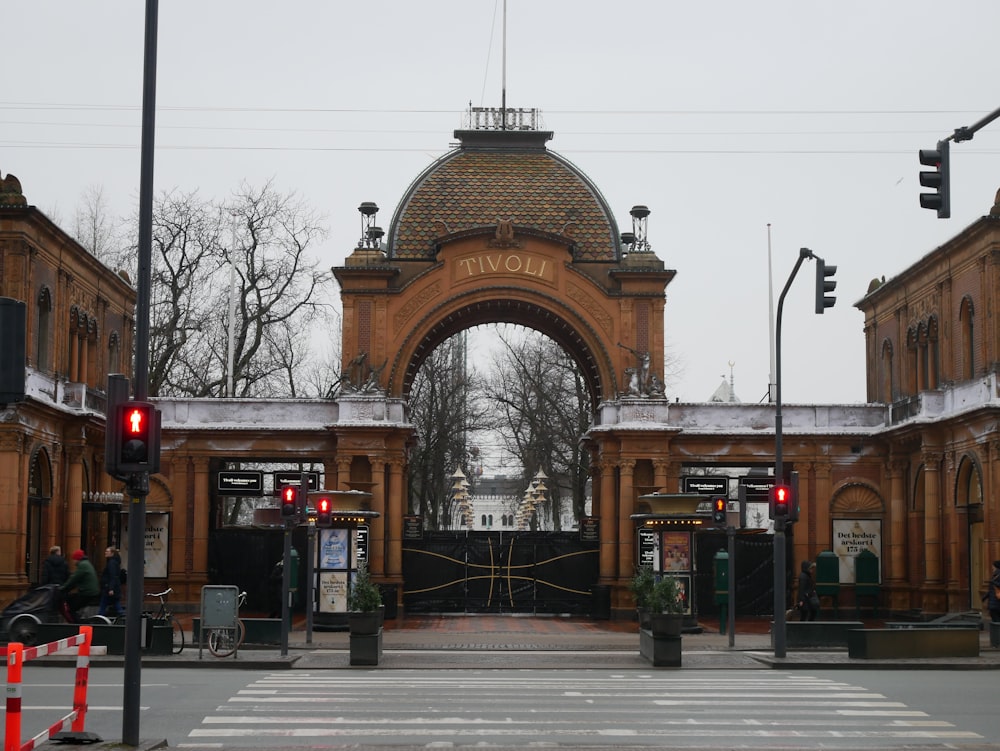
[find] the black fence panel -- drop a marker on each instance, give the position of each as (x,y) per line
(754,568)
(435,572)
(499,572)
(244,557)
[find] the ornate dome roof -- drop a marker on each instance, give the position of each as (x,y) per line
(496,175)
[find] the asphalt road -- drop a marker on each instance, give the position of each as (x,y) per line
(600,708)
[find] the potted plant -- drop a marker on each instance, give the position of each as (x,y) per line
(666,606)
(641,588)
(364,603)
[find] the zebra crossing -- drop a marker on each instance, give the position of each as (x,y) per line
(518,707)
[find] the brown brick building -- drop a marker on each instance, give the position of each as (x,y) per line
(503,229)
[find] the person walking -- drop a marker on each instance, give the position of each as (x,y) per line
(992,596)
(111,583)
(808,602)
(55,570)
(84,581)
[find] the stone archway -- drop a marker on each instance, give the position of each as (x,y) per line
(500,230)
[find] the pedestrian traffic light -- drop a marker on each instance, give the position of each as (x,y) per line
(824,285)
(939,180)
(719,504)
(137,438)
(323,512)
(289,501)
(780,499)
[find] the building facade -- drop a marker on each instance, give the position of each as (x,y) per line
(503,229)
(53,489)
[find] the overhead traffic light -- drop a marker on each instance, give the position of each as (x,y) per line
(719,505)
(939,180)
(324,512)
(779,501)
(289,501)
(136,439)
(824,285)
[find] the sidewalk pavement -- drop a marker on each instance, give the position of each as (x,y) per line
(541,642)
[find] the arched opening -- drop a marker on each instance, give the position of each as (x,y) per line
(499,412)
(503,306)
(39,498)
(969,494)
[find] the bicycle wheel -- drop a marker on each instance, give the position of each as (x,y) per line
(222,642)
(178,635)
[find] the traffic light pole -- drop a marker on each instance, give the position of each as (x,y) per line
(286,583)
(138,483)
(731,584)
(779,471)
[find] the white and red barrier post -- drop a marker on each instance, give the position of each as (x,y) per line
(17,655)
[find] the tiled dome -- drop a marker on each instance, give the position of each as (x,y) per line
(504,175)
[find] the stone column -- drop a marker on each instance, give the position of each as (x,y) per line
(932,517)
(394,522)
(609,522)
(73,458)
(376,536)
(626,504)
(660,470)
(343,472)
(13,511)
(198,544)
(897,520)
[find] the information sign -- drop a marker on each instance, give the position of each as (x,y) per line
(239,482)
(706,484)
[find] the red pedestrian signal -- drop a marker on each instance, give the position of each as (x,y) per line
(289,501)
(780,501)
(137,438)
(324,511)
(719,507)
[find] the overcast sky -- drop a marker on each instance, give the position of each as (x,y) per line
(722,117)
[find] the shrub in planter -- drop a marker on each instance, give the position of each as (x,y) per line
(641,588)
(666,596)
(364,603)
(667,607)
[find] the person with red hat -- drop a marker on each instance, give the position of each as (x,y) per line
(84,581)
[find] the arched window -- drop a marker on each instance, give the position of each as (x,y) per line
(932,353)
(114,353)
(968,484)
(968,353)
(43,353)
(888,394)
(911,360)
(923,362)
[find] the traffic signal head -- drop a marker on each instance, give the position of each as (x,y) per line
(137,438)
(780,498)
(323,512)
(939,180)
(289,501)
(719,505)
(824,285)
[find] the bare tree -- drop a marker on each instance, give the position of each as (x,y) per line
(540,407)
(253,248)
(442,406)
(94,227)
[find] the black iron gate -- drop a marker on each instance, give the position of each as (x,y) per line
(499,572)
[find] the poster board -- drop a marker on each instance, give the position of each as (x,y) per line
(156,548)
(850,537)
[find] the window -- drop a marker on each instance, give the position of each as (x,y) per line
(43,331)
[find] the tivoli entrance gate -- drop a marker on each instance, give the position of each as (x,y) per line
(502,230)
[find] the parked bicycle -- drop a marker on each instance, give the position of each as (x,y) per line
(223,642)
(164,615)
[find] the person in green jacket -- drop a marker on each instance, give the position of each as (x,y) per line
(84,581)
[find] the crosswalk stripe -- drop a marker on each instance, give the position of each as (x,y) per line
(496,705)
